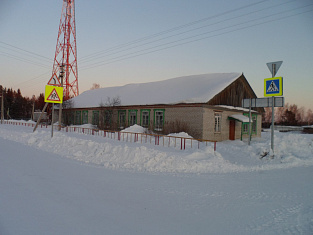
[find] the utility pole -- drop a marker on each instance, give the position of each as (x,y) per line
(33,111)
(60,107)
(2,106)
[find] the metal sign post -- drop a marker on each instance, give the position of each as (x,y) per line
(53,94)
(249,139)
(261,103)
(52,119)
(273,67)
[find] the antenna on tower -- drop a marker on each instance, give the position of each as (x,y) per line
(65,59)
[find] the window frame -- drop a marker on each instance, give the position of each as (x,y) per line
(95,114)
(142,119)
(107,118)
(121,125)
(84,117)
(155,119)
(217,122)
(78,117)
(245,128)
(254,126)
(129,116)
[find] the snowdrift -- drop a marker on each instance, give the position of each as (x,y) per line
(291,150)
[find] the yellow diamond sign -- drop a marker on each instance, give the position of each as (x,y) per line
(54,94)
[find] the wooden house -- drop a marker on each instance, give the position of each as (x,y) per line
(206,106)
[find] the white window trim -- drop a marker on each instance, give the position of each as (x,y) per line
(217,122)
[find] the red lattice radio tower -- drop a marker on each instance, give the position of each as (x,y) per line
(64,71)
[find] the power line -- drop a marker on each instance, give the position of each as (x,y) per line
(35,78)
(22,59)
(26,51)
(130,55)
(30,83)
(172,29)
(177,34)
(176,42)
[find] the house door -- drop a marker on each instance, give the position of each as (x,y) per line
(232,126)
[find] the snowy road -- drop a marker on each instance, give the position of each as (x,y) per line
(44,193)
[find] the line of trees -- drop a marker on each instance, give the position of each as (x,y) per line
(18,107)
(290,115)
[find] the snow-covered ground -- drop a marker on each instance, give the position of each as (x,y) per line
(81,184)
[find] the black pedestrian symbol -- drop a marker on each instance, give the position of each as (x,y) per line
(54,96)
(272,87)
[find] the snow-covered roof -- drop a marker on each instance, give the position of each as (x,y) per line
(187,89)
(235,108)
(240,118)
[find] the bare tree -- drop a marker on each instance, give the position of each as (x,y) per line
(309,117)
(290,114)
(300,115)
(113,102)
(267,117)
(107,120)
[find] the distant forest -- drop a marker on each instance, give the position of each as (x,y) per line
(289,115)
(18,107)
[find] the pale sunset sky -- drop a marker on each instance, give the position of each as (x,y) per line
(122,42)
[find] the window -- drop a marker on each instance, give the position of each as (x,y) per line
(158,119)
(69,118)
(78,116)
(145,117)
(122,118)
(253,124)
(85,117)
(95,118)
(132,117)
(107,118)
(217,123)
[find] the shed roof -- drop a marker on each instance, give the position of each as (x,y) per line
(240,118)
(187,89)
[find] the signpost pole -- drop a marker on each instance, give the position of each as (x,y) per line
(52,120)
(273,116)
(273,89)
(249,139)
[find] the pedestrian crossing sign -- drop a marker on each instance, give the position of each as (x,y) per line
(54,94)
(273,86)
